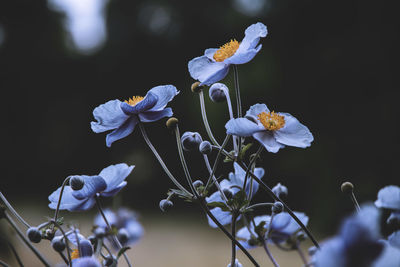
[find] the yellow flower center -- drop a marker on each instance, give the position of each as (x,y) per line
(271,121)
(75,254)
(226,51)
(134,100)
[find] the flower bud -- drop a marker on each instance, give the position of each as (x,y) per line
(34,234)
(197,183)
(58,243)
(277,207)
(76,183)
(205,147)
(100,232)
(347,187)
(171,123)
(227,193)
(190,140)
(86,248)
(165,204)
(123,235)
(196,87)
(280,190)
(218,92)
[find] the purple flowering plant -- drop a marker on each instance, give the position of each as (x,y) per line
(225,198)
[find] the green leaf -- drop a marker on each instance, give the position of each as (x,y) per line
(245,148)
(122,251)
(221,205)
(260,228)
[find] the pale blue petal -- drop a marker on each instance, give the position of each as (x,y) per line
(293,226)
(86,262)
(135,230)
(389,198)
(150,116)
(394,239)
(244,233)
(116,189)
(207,71)
(209,53)
(164,93)
(331,254)
(223,217)
(293,133)
(111,218)
(123,131)
(256,109)
(148,102)
(390,257)
(252,36)
(72,237)
(68,202)
(243,57)
(93,185)
(109,116)
(114,175)
(215,197)
(242,127)
(267,139)
(259,172)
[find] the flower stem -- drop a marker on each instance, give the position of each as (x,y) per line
(355,202)
(264,242)
(2,263)
(148,142)
(253,160)
(109,227)
(214,178)
(301,254)
(66,180)
(233,231)
(21,235)
(205,121)
(15,254)
(238,99)
(217,159)
(12,210)
(66,241)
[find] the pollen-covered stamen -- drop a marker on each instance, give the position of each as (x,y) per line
(271,120)
(134,100)
(226,51)
(75,254)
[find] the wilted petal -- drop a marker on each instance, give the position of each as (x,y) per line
(123,131)
(109,116)
(242,127)
(93,185)
(150,116)
(207,71)
(164,93)
(293,133)
(267,139)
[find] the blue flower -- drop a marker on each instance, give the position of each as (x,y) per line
(86,262)
(273,130)
(122,219)
(389,198)
(213,66)
(122,117)
(283,226)
(235,180)
(108,183)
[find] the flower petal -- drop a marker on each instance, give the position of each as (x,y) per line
(123,131)
(252,36)
(209,53)
(394,239)
(256,109)
(148,102)
(164,93)
(116,189)
(93,185)
(224,217)
(207,71)
(150,116)
(86,262)
(114,175)
(215,197)
(293,133)
(242,127)
(259,172)
(68,202)
(109,116)
(243,57)
(267,139)
(389,198)
(111,218)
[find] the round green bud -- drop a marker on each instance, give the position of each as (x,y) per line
(196,87)
(197,183)
(171,123)
(347,187)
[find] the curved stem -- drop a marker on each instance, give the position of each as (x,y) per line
(109,227)
(66,241)
(12,210)
(355,202)
(205,121)
(214,178)
(21,235)
(60,198)
(15,254)
(233,231)
(238,99)
(148,142)
(269,254)
(217,159)
(301,254)
(2,263)
(260,205)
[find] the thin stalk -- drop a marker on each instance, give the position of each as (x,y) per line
(253,160)
(275,197)
(229,104)
(217,159)
(12,210)
(66,241)
(355,202)
(205,121)
(238,99)
(66,180)
(264,242)
(301,254)
(26,241)
(148,142)
(15,254)
(2,263)
(220,226)
(63,257)
(260,205)
(109,227)
(233,231)
(214,178)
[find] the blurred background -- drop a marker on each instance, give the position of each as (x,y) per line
(329,63)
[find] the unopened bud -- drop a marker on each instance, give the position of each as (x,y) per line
(196,87)
(171,123)
(218,92)
(76,183)
(123,235)
(197,183)
(347,187)
(205,147)
(34,234)
(166,204)
(86,248)
(100,232)
(227,193)
(277,207)
(280,190)
(191,140)
(58,243)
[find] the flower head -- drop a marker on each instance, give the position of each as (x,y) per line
(273,130)
(122,116)
(213,66)
(389,198)
(108,183)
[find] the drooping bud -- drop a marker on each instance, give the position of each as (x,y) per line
(196,87)
(218,92)
(197,183)
(58,243)
(227,193)
(34,234)
(347,187)
(123,235)
(100,232)
(277,207)
(86,248)
(191,140)
(171,123)
(166,204)
(76,183)
(280,190)
(205,147)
